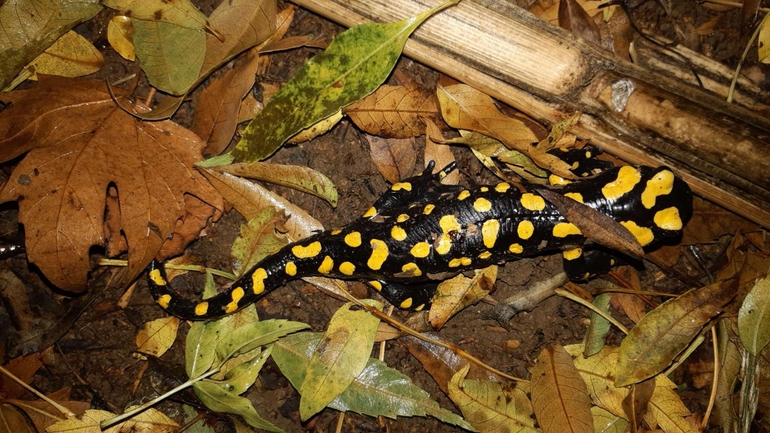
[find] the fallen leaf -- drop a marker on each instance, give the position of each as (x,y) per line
(395,158)
(394,111)
(574,18)
(559,395)
(119,34)
(197,214)
(492,407)
(80,142)
(156,336)
(216,112)
(458,292)
(754,318)
(71,55)
(356,62)
(178,12)
(31,26)
(258,238)
(440,154)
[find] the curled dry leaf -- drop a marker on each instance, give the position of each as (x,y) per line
(79,143)
(395,111)
(438,153)
(456,293)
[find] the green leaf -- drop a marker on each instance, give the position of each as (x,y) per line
(666,331)
(339,358)
(355,63)
(171,56)
(378,391)
(199,347)
(242,376)
(597,331)
(754,317)
(253,335)
(258,239)
(218,399)
(31,26)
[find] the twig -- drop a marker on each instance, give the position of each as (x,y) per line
(743,57)
(66,412)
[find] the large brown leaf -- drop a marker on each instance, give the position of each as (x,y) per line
(79,143)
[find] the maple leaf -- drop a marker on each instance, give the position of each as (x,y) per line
(80,144)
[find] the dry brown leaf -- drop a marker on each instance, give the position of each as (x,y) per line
(394,157)
(79,143)
(197,214)
(574,18)
(216,113)
(559,395)
(24,368)
(440,154)
(456,293)
(395,111)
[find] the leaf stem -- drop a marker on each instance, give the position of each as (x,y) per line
(743,58)
(112,421)
(592,307)
(66,412)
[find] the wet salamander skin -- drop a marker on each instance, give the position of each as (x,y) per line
(420,228)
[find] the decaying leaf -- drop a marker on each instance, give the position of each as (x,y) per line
(71,55)
(79,143)
(665,332)
(157,336)
(440,154)
(119,34)
(559,395)
(258,238)
(456,293)
(574,18)
(394,111)
(492,407)
(395,158)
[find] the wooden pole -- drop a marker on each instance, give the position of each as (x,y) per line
(642,116)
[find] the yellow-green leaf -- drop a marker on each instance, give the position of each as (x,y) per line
(250,336)
(666,331)
(559,395)
(157,336)
(491,407)
(31,26)
(179,12)
(763,49)
(303,179)
(355,63)
(219,400)
(71,55)
(170,55)
(339,358)
(378,391)
(258,239)
(605,422)
(754,317)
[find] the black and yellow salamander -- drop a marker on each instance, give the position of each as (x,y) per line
(420,231)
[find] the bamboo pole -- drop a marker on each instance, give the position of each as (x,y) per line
(720,149)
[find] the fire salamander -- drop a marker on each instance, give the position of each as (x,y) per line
(420,231)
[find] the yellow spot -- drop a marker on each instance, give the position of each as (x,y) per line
(376,284)
(444,244)
(516,248)
(403,217)
(575,165)
(379,254)
(370,213)
(353,239)
(164,300)
(485,255)
(291,269)
(627,179)
(302,252)
(525,229)
(420,307)
(532,202)
(578,197)
(463,195)
(489,232)
(643,235)
(557,180)
(668,219)
(202,308)
(236,295)
(411,268)
(407,303)
(572,254)
(420,250)
(660,184)
(326,265)
(502,187)
(347,268)
(258,280)
(397,233)
(464,261)
(588,154)
(406,186)
(448,223)
(482,205)
(562,230)
(156,278)
(335,232)
(428,209)
(484,189)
